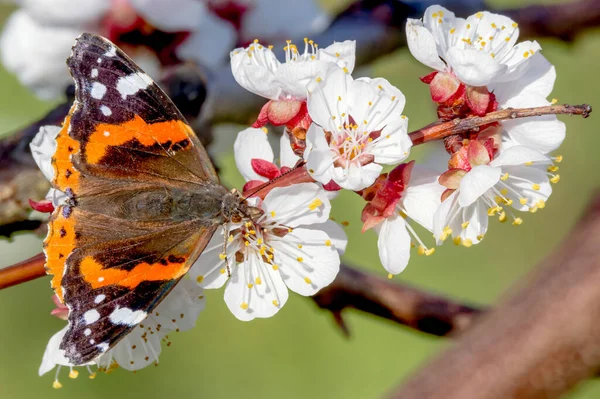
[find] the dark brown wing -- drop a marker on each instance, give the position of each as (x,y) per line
(129,163)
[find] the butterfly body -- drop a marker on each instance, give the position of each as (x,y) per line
(143,200)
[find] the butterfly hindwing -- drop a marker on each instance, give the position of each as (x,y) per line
(143,199)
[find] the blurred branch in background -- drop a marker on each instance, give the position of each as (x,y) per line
(400,303)
(539,342)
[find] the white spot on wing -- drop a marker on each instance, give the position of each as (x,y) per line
(94,73)
(131,84)
(91,316)
(92,341)
(101,279)
(127,316)
(103,347)
(87,332)
(99,60)
(99,298)
(98,90)
(106,133)
(112,51)
(106,111)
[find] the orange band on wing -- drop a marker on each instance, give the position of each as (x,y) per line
(148,134)
(97,276)
(65,175)
(59,243)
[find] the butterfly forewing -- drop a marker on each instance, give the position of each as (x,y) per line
(144,199)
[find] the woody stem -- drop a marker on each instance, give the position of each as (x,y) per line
(29,269)
(441,130)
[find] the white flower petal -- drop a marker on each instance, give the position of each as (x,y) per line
(356,177)
(57,197)
(475,218)
(251,143)
(299,204)
(36,53)
(474,67)
(53,356)
(422,197)
(529,183)
(293,77)
(394,244)
(539,79)
(327,97)
(287,157)
(542,133)
(255,290)
(308,269)
(475,183)
(341,53)
(519,155)
(210,270)
(254,69)
(422,45)
(442,217)
(336,233)
(318,156)
(43,147)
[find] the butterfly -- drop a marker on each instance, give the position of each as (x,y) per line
(143,200)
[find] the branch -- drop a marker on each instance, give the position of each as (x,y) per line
(22,272)
(399,303)
(539,342)
(457,126)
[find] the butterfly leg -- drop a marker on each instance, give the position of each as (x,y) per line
(224,253)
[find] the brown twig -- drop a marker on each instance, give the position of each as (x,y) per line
(28,270)
(400,303)
(457,126)
(539,342)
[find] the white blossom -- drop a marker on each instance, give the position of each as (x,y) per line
(292,246)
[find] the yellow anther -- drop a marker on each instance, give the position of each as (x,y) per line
(259,241)
(554,101)
(250,285)
(502,217)
(494,25)
(523,201)
(244,306)
(429,251)
(200,279)
(440,20)
(552,168)
(328,243)
(272,214)
(452,31)
(457,240)
(275,267)
(509,202)
(493,55)
(468,26)
(56,385)
(307,280)
(480,237)
(337,54)
(504,191)
(504,176)
(493,210)
(479,15)
(517,221)
(526,54)
(441,13)
(222,256)
(258,281)
(514,25)
(345,223)
(434,15)
(465,225)
(541,204)
(467,242)
(92,376)
(390,276)
(533,209)
(222,271)
(230,238)
(555,179)
(246,243)
(275,302)
(270,47)
(421,250)
(536,187)
(345,70)
(255,40)
(300,259)
(318,79)
(300,246)
(528,163)
(315,204)
(507,39)
(558,159)
(380,87)
(73,374)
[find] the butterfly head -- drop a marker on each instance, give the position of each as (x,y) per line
(235,208)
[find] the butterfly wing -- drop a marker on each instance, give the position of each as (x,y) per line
(131,167)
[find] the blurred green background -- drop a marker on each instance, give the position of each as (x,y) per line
(300,353)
